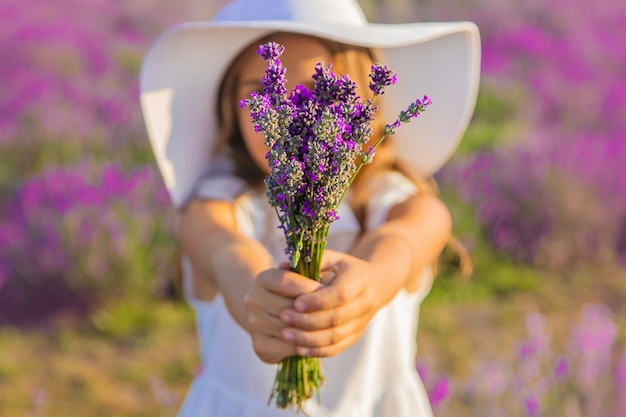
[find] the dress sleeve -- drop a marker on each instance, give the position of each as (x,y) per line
(387,190)
(222,187)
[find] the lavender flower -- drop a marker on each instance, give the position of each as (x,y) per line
(274,79)
(381,77)
(310,134)
(439,392)
(561,368)
(405,116)
(62,211)
(504,387)
(315,138)
(591,343)
(531,406)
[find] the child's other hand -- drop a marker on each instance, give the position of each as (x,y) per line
(273,291)
(332,318)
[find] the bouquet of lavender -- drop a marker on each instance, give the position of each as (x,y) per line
(316,141)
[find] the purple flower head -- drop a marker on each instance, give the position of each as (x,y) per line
(344,126)
(300,95)
(347,87)
(381,77)
(368,156)
(531,406)
(561,368)
(414,110)
(439,392)
(591,343)
(390,128)
(326,88)
(270,50)
(274,80)
(538,342)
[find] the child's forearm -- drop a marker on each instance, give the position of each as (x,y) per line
(411,240)
(219,256)
(236,266)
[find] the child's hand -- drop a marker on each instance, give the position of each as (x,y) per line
(332,318)
(272,291)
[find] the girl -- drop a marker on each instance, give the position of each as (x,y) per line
(362,316)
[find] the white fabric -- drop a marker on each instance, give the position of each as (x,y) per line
(376,377)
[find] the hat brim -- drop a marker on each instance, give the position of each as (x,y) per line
(181,73)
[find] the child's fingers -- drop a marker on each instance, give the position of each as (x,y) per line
(326,351)
(262,322)
(261,300)
(271,349)
(325,342)
(322,319)
(345,287)
(286,283)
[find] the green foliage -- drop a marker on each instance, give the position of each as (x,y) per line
(137,318)
(495,119)
(494,275)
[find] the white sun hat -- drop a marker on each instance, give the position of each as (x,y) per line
(181,75)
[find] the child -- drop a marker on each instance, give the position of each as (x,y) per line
(362,316)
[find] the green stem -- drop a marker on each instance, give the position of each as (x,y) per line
(299,378)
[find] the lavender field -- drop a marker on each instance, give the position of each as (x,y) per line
(537,191)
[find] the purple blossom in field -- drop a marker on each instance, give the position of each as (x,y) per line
(570,118)
(534,356)
(579,44)
(582,57)
(439,392)
(538,343)
(591,344)
(537,205)
(422,370)
(438,387)
(494,378)
(531,406)
(69,68)
(504,387)
(561,368)
(505,204)
(69,231)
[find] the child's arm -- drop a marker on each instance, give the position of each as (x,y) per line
(224,260)
(329,320)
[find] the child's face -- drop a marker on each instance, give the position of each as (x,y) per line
(300,56)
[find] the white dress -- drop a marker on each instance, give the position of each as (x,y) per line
(375,377)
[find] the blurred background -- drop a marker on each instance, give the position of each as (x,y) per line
(537,191)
